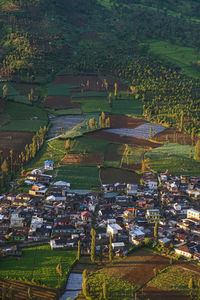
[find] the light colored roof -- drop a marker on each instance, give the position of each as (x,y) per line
(61,183)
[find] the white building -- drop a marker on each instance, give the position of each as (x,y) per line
(193,214)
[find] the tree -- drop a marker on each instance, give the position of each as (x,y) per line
(110,248)
(105,291)
(79,250)
(29,293)
(107,122)
(60,273)
(4,167)
(191,286)
(93,245)
(193,135)
(181,120)
(115,89)
(197,151)
(5,91)
(31,96)
(67,144)
(85,283)
(156,231)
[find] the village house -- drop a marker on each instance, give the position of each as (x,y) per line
(184,251)
(48,165)
(38,190)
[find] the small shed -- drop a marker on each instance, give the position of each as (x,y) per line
(48,165)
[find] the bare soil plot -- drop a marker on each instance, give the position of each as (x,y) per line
(145,271)
(158,294)
(60,102)
(79,81)
(15,141)
(20,290)
(116,138)
(121,121)
(111,80)
(113,175)
(83,159)
(137,167)
(174,136)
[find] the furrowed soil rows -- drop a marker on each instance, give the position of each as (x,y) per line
(174,136)
(15,141)
(113,175)
(158,294)
(120,121)
(20,290)
(60,102)
(83,159)
(116,138)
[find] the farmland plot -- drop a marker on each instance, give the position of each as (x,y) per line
(145,131)
(83,159)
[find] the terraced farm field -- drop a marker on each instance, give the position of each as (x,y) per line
(83,159)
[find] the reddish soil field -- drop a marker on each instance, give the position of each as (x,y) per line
(24,88)
(145,271)
(77,80)
(137,167)
(174,136)
(86,159)
(113,175)
(14,140)
(59,102)
(157,294)
(20,290)
(112,80)
(120,121)
(116,138)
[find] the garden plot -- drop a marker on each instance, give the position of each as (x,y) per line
(63,124)
(145,131)
(83,159)
(59,102)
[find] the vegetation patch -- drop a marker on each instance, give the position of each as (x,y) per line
(80,177)
(38,264)
(85,144)
(169,149)
(58,90)
(176,278)
(132,106)
(176,165)
(90,106)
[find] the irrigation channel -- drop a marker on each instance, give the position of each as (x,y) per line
(73,287)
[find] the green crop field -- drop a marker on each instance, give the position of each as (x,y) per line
(170,149)
(86,144)
(22,117)
(53,150)
(90,106)
(80,177)
(176,165)
(175,278)
(116,288)
(179,55)
(132,106)
(38,263)
(58,90)
(69,111)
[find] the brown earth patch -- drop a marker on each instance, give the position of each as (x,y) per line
(20,290)
(59,102)
(120,121)
(15,141)
(78,80)
(137,167)
(86,159)
(158,294)
(116,138)
(113,175)
(145,271)
(174,136)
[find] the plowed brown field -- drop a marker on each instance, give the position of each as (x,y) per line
(174,136)
(20,290)
(59,102)
(86,159)
(120,121)
(115,138)
(113,175)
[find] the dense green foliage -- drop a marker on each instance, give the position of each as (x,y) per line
(38,264)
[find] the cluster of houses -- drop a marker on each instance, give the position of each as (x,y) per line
(52,212)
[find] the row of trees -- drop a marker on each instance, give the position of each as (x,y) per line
(14,162)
